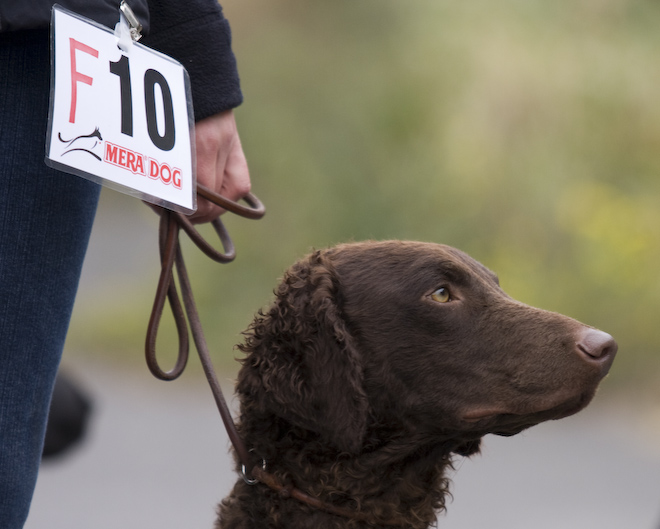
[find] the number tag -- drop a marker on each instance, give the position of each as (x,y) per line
(122,119)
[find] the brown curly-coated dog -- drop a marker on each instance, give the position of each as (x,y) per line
(380,360)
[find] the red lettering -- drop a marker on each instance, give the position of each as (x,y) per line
(127,159)
(139,164)
(136,163)
(111,153)
(165,173)
(176,178)
(76,76)
(130,161)
(153,169)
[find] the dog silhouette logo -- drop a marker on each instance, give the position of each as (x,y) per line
(83,143)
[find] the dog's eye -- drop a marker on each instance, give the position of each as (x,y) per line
(441,295)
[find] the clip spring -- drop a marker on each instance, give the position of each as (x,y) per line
(133,22)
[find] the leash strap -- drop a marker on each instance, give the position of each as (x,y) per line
(171,257)
(186,314)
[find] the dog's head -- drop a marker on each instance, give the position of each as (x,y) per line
(414,339)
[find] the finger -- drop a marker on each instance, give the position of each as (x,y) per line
(236,181)
(214,138)
(234,185)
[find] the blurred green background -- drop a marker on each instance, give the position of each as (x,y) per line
(526,133)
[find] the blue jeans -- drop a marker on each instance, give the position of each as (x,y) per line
(45,221)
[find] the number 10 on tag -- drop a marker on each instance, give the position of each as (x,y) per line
(123,119)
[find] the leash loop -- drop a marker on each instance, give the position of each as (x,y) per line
(170,225)
(168,242)
(227,244)
(255,211)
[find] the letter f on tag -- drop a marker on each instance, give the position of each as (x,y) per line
(76,76)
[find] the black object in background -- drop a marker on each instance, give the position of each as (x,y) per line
(69,414)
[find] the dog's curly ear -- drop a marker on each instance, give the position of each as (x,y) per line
(302,358)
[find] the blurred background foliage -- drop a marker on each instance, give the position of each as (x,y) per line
(525,132)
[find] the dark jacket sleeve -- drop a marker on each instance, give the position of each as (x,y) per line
(17,15)
(196,33)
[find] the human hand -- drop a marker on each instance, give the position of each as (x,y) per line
(221,163)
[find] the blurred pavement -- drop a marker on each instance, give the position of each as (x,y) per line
(157,456)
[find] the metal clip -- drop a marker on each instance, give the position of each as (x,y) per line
(133,21)
(251,481)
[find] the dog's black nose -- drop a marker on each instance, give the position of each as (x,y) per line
(595,345)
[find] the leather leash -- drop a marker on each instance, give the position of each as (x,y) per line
(170,257)
(186,314)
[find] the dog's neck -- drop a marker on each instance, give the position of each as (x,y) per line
(389,483)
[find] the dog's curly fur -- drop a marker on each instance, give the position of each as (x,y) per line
(358,387)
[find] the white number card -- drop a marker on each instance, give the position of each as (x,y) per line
(120,118)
